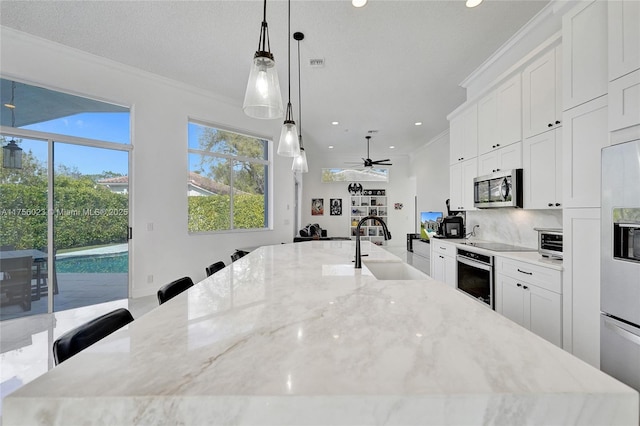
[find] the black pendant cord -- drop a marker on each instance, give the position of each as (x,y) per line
(299,100)
(263,43)
(289,115)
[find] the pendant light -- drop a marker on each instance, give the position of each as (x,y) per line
(288,145)
(12,153)
(300,161)
(262,98)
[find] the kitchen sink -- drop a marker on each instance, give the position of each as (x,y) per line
(393,270)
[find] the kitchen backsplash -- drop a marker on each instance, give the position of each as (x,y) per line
(512,226)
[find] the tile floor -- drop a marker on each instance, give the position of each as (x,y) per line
(25,343)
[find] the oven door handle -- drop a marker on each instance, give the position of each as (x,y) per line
(473,264)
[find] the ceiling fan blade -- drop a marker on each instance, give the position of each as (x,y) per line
(378,161)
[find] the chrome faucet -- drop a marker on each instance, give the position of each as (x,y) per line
(385,230)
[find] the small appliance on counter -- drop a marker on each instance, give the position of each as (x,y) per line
(550,242)
(451,226)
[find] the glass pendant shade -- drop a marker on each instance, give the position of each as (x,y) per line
(12,156)
(300,162)
(262,98)
(288,145)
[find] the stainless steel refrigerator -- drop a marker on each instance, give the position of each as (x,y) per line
(620,263)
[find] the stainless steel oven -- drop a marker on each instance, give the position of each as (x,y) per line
(475,276)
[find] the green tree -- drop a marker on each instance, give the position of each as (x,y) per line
(248,177)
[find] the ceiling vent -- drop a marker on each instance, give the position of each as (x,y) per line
(371,132)
(316,62)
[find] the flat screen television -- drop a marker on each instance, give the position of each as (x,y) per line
(429,222)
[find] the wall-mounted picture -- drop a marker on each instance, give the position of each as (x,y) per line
(336,206)
(317,206)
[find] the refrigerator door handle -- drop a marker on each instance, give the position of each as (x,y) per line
(622,332)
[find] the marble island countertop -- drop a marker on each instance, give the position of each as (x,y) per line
(293,334)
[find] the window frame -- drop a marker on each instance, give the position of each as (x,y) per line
(267,163)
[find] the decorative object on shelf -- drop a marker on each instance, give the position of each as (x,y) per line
(373,192)
(289,145)
(317,206)
(398,206)
(355,188)
(368,162)
(11,152)
(336,206)
(262,98)
(300,161)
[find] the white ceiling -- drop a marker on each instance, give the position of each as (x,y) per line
(387,65)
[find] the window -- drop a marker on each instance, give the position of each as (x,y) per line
(355,175)
(228,180)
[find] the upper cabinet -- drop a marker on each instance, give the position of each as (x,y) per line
(461,177)
(464,135)
(541,93)
(584,40)
(624,37)
(585,133)
(624,69)
(542,171)
(500,116)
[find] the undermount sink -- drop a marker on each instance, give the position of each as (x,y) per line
(393,271)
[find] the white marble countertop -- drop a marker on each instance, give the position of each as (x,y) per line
(293,334)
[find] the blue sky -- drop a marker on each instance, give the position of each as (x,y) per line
(110,127)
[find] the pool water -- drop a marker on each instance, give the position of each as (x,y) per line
(103,263)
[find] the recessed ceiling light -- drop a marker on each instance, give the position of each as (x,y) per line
(330,146)
(392,147)
(335,123)
(418,123)
(358,3)
(473,3)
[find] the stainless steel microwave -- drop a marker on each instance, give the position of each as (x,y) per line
(500,189)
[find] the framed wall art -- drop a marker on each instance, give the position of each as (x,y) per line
(335,206)
(317,206)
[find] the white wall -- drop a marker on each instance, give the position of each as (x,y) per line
(431,169)
(400,222)
(160,109)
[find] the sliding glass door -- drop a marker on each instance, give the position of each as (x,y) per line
(23,231)
(90,225)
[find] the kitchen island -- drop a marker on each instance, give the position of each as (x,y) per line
(293,334)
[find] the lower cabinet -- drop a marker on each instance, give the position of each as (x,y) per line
(443,263)
(532,300)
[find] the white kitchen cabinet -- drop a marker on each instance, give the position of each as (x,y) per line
(624,37)
(624,99)
(584,44)
(530,296)
(461,177)
(463,144)
(542,170)
(505,158)
(443,262)
(500,116)
(542,94)
(585,133)
(581,283)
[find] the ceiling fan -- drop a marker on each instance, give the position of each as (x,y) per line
(368,162)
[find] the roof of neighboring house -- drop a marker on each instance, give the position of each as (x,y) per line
(195,179)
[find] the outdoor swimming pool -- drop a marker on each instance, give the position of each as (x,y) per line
(102,263)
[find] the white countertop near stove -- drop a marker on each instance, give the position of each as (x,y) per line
(532,257)
(293,334)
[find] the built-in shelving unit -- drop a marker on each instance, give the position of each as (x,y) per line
(369,205)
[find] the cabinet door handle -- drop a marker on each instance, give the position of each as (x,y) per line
(441,257)
(518,284)
(557,204)
(525,287)
(557,121)
(550,204)
(524,272)
(550,125)
(497,144)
